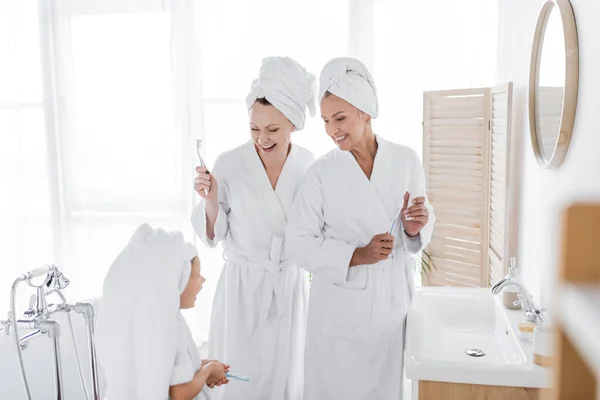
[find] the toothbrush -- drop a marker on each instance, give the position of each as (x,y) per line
(244,378)
(202,163)
(393,223)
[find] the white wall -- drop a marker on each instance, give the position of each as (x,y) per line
(545,193)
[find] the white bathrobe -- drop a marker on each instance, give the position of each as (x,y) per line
(259,311)
(355,336)
(144,344)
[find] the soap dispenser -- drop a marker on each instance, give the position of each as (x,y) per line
(510,294)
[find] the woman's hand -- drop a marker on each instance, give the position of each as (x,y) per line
(379,248)
(415,217)
(206,181)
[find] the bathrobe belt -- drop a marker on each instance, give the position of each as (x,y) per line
(273,288)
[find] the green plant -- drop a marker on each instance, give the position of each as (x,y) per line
(424,263)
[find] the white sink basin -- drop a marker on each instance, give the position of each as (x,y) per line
(443,323)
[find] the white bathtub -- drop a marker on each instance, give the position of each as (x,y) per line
(39,365)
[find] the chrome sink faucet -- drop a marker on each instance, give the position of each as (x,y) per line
(532,313)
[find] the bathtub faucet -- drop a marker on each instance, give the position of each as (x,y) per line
(38,320)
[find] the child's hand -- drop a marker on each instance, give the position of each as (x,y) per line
(216,371)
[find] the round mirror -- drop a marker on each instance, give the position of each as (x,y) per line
(553,82)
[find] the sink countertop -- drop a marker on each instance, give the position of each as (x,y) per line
(430,357)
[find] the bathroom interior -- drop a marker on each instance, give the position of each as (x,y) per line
(496,96)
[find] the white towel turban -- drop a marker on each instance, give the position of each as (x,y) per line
(287,86)
(349,79)
(138,328)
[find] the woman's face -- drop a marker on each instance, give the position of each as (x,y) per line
(194,286)
(271,131)
(345,124)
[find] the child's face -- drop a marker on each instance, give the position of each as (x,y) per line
(188,297)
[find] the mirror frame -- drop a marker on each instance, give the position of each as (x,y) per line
(569,105)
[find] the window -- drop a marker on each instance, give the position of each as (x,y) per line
(118,156)
(103,103)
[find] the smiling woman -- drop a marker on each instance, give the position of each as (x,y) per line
(339,231)
(269,127)
(271,134)
(250,191)
(346,122)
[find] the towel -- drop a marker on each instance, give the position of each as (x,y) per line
(287,86)
(140,329)
(349,79)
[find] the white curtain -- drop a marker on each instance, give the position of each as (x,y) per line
(128,87)
(25,206)
(100,110)
(119,154)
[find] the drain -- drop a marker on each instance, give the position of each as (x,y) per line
(475,352)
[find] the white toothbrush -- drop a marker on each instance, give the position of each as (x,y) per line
(202,164)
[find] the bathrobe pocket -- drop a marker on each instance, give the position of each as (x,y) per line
(347,313)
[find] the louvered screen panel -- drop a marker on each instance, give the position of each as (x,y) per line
(501,105)
(456,160)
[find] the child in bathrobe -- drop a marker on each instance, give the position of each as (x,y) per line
(143,342)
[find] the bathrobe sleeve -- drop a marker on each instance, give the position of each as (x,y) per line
(305,244)
(418,188)
(183,370)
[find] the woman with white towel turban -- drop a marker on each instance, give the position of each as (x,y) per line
(143,342)
(259,312)
(358,216)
